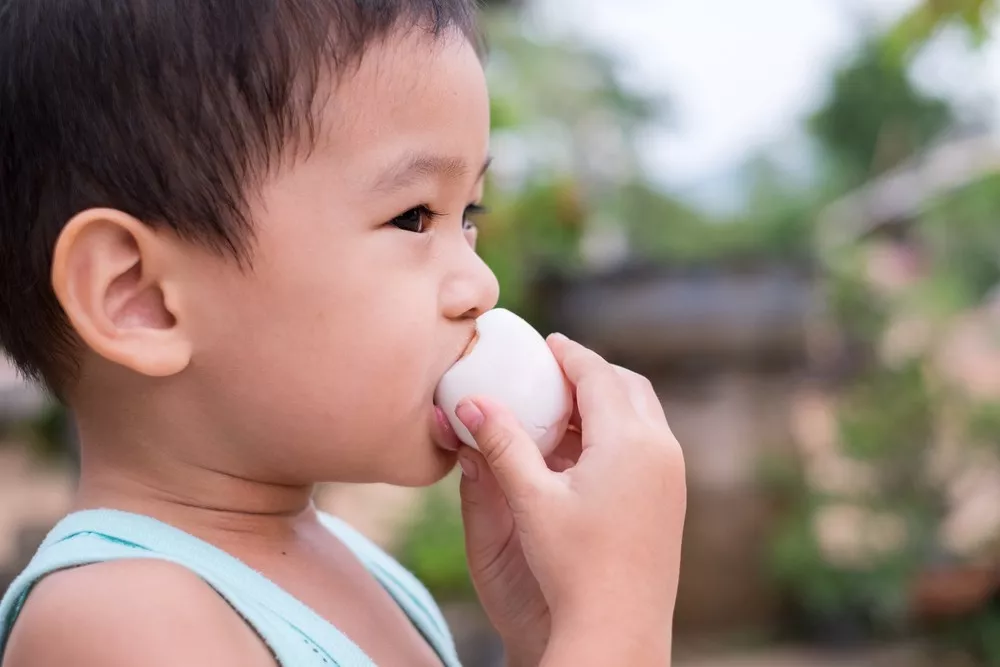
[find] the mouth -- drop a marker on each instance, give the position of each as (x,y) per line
(471,344)
(444,435)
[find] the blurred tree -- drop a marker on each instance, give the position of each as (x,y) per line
(545,82)
(874,117)
(960,242)
(566,131)
(780,211)
(775,224)
(929,17)
(890,413)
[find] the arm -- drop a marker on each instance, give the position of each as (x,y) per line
(126,613)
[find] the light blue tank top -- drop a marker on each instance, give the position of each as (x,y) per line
(296,635)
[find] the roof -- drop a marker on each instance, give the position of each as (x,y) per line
(666,315)
(902,194)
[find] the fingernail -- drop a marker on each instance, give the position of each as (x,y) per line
(470,415)
(469,468)
(558,338)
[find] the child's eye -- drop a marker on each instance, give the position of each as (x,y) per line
(415,220)
(471,212)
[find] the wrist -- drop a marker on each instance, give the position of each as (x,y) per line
(608,649)
(606,639)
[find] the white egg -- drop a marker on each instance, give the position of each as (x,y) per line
(512,364)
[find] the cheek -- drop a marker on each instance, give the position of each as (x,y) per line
(331,347)
(361,401)
(355,345)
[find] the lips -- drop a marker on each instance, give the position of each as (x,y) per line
(444,435)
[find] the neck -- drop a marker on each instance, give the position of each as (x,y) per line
(124,467)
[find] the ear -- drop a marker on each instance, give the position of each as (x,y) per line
(110,275)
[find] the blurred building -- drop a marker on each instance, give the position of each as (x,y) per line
(727,348)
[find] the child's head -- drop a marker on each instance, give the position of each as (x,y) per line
(238,229)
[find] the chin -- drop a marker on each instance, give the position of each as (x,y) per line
(427,465)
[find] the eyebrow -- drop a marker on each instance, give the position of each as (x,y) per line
(422,166)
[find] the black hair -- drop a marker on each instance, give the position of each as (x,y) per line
(167,110)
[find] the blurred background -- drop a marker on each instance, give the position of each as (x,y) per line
(785,213)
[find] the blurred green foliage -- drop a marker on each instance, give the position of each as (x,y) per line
(889,417)
(885,423)
(873,120)
(874,117)
(960,236)
(929,17)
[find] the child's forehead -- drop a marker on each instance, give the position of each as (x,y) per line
(398,71)
(408,106)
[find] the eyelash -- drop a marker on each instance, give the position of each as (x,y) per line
(424,215)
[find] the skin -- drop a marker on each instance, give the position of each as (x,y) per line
(214,398)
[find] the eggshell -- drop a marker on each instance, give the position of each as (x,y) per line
(512,364)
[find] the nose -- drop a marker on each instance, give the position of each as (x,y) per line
(470,288)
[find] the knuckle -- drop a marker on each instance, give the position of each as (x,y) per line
(587,360)
(496,446)
(671,449)
(660,443)
(639,382)
(606,379)
(670,456)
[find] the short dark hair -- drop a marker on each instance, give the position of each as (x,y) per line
(164,109)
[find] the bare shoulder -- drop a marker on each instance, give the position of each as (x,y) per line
(127,613)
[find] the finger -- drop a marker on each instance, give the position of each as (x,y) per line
(560,463)
(642,394)
(645,398)
(485,514)
(480,491)
(508,450)
(601,396)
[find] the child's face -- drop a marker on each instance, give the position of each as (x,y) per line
(321,362)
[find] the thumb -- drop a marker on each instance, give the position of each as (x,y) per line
(511,454)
